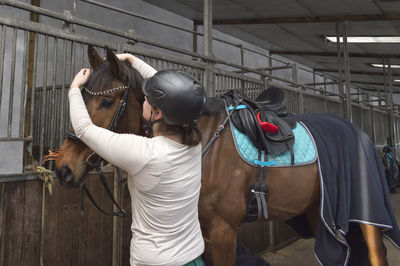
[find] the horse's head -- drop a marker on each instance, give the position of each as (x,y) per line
(110,81)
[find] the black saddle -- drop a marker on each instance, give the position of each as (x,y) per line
(271,99)
(268,110)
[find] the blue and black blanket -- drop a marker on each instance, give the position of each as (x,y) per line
(353,186)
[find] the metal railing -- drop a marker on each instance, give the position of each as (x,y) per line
(58,55)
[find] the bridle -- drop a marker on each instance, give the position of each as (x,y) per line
(93,161)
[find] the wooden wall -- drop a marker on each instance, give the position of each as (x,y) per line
(257,236)
(66,237)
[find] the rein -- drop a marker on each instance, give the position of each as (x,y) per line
(95,164)
(220,128)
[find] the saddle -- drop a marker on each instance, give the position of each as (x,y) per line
(264,120)
(269,126)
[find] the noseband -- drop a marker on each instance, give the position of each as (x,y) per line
(93,161)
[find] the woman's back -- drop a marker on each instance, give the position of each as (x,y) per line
(165,193)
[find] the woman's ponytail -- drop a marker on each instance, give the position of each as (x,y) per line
(191,135)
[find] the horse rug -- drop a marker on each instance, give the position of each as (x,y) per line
(352,184)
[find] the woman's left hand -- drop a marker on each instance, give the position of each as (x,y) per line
(80,78)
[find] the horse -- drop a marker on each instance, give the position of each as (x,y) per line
(391,168)
(226,178)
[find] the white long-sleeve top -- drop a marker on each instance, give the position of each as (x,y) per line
(164,184)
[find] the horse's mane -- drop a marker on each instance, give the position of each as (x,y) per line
(103,76)
(214,105)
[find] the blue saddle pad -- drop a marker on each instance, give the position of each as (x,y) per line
(304,149)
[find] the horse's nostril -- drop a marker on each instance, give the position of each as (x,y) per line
(65,174)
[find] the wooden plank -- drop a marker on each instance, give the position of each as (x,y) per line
(283,234)
(65,226)
(107,224)
(254,236)
(14,216)
(80,231)
(2,221)
(94,219)
(32,223)
(51,226)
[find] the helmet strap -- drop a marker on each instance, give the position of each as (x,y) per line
(148,128)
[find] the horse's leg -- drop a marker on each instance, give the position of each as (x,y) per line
(222,243)
(373,238)
(313,217)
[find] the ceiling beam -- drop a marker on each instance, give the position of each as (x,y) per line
(283,20)
(369,73)
(359,55)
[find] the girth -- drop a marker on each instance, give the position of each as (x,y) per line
(268,125)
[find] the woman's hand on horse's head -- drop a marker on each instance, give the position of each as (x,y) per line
(80,78)
(126,57)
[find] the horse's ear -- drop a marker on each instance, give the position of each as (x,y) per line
(94,58)
(116,65)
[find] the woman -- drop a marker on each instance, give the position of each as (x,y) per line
(164,171)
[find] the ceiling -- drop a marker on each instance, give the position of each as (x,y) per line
(295,29)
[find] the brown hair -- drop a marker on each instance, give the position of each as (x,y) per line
(190,133)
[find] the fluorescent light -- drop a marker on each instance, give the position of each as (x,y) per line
(386,66)
(396,80)
(367,39)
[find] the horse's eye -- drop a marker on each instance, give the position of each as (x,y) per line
(105,103)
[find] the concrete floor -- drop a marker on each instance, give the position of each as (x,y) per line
(301,252)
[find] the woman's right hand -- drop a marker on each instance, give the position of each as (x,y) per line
(126,57)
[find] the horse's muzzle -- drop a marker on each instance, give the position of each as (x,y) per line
(66,176)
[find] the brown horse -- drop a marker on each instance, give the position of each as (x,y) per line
(226,178)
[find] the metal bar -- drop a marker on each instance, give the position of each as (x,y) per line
(12,82)
(194,31)
(126,12)
(24,85)
(91,25)
(47,30)
(63,111)
(340,70)
(2,51)
(369,73)
(68,19)
(74,14)
(208,48)
(82,57)
(390,107)
(330,54)
(17,177)
(287,66)
(31,125)
(43,103)
(71,74)
(53,96)
(195,38)
(27,139)
(347,73)
(309,19)
(322,83)
(28,156)
(72,69)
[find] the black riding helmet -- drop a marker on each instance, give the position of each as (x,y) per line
(179,95)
